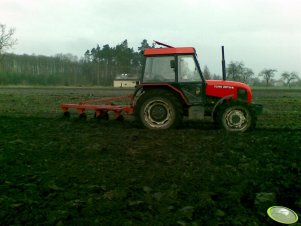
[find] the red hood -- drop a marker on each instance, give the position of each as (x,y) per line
(221,88)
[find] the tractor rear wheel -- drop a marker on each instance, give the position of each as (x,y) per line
(159,109)
(236,117)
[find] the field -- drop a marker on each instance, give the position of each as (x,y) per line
(55,171)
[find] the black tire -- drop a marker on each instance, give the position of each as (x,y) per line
(159,109)
(237,117)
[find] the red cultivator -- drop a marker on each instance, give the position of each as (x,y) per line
(101,107)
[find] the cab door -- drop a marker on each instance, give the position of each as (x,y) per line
(190,79)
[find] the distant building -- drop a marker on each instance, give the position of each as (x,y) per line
(125,81)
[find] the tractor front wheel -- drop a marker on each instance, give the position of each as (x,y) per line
(237,118)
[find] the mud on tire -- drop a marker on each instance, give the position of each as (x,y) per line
(236,117)
(159,109)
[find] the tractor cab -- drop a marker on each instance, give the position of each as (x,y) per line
(177,67)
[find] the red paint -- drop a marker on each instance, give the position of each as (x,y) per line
(169,51)
(106,104)
(220,88)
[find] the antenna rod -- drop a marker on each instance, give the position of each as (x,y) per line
(224,64)
(163,44)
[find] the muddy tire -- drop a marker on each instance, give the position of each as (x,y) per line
(159,109)
(235,117)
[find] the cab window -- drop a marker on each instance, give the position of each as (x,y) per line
(159,69)
(187,69)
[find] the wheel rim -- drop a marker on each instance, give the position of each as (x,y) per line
(157,113)
(236,119)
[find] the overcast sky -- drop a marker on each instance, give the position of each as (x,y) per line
(261,33)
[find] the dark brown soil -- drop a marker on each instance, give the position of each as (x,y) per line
(55,171)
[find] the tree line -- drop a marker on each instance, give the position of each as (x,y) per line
(100,65)
(237,71)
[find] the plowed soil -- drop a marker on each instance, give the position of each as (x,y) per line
(55,171)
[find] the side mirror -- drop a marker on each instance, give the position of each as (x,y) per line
(172,64)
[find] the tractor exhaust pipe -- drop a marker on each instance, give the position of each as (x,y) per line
(224,64)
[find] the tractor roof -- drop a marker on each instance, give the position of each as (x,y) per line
(169,51)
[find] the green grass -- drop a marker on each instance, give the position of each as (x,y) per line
(73,172)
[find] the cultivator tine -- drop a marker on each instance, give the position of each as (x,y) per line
(101,109)
(82,114)
(119,116)
(101,115)
(81,110)
(98,114)
(66,113)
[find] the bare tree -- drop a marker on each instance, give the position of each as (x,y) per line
(289,77)
(7,40)
(246,75)
(234,70)
(238,72)
(267,75)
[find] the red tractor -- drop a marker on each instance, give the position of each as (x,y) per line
(172,87)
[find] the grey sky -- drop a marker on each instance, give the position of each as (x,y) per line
(261,33)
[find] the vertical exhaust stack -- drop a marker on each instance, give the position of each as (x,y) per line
(224,64)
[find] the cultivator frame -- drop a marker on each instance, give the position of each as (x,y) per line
(101,110)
